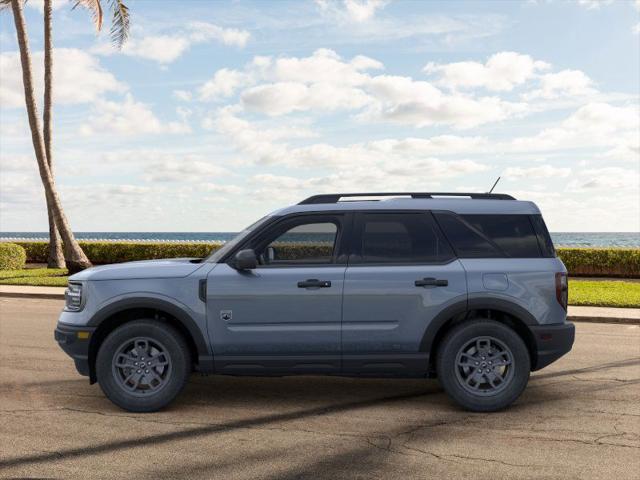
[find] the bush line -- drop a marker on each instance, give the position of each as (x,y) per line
(594,262)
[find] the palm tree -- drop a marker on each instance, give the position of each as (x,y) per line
(56,255)
(75,258)
(119,34)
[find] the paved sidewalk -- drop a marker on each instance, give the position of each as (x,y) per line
(576,314)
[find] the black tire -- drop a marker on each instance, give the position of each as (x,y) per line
(168,379)
(476,391)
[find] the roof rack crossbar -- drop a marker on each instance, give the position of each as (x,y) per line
(335,197)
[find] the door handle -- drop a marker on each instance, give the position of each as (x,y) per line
(314,283)
(431,282)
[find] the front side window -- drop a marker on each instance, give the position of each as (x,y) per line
(299,242)
(400,238)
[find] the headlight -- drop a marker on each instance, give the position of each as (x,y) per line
(73,297)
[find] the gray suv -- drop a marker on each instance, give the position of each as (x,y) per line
(465,287)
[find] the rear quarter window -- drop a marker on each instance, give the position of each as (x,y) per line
(513,234)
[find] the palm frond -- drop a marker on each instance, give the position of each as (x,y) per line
(5,4)
(119,23)
(96,11)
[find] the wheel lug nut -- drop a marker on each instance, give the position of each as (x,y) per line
(139,371)
(135,363)
(146,371)
(477,363)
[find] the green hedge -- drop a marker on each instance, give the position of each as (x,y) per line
(606,262)
(116,252)
(12,256)
(601,262)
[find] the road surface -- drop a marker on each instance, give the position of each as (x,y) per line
(578,418)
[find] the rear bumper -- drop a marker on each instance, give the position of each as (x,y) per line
(552,342)
(75,343)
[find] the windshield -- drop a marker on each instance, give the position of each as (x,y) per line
(230,244)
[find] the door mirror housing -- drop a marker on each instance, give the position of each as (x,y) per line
(245,260)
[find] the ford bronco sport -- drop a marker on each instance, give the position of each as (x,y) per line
(463,287)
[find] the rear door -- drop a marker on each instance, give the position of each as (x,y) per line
(401,274)
(283,316)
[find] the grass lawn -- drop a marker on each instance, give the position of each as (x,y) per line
(581,292)
(43,277)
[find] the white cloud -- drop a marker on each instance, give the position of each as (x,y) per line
(285,97)
(563,83)
(542,171)
(78,78)
(594,4)
(357,11)
(188,168)
(607,178)
(166,48)
(636,29)
(224,83)
(502,72)
(593,125)
(128,118)
(326,82)
(203,32)
(183,95)
(403,100)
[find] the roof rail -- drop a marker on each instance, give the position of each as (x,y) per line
(335,197)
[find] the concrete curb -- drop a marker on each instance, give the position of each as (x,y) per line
(596,319)
(620,316)
(45,296)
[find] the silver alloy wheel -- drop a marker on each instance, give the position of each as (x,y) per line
(484,366)
(141,366)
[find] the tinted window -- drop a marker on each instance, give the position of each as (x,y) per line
(311,242)
(544,239)
(514,234)
(467,241)
(401,238)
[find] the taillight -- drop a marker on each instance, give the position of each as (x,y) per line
(562,289)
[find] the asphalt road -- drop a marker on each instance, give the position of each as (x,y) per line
(578,418)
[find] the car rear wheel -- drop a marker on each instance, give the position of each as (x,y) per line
(483,365)
(143,365)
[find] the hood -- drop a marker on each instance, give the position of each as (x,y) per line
(170,268)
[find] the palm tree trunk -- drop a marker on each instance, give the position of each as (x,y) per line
(75,257)
(56,257)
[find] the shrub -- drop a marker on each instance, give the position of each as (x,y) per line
(601,262)
(604,262)
(12,256)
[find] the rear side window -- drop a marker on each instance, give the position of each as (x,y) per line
(468,241)
(544,239)
(400,238)
(514,234)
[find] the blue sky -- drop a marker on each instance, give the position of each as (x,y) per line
(216,113)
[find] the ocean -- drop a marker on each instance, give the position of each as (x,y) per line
(560,239)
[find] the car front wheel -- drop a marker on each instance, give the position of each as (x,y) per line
(483,365)
(143,365)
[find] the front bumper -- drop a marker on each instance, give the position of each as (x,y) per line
(75,340)
(552,342)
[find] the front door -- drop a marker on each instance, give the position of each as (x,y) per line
(401,274)
(285,315)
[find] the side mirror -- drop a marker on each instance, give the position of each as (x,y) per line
(245,260)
